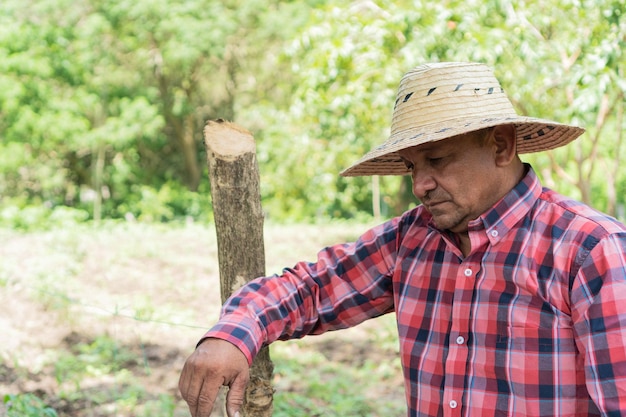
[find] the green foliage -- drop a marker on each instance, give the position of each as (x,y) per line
(101,357)
(27,405)
(317,381)
(314,383)
(102,104)
(350,59)
(40,217)
(332,390)
(172,201)
(104,99)
(104,357)
(163,406)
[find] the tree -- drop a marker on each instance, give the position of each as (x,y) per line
(103,102)
(105,99)
(350,60)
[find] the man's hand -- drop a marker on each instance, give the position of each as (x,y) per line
(214,363)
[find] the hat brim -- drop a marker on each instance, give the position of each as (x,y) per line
(533,135)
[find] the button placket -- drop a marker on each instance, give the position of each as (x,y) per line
(456,362)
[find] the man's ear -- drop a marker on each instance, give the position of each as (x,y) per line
(505,141)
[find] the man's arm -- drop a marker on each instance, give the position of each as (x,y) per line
(599,314)
(347,285)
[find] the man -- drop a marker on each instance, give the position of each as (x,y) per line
(510,299)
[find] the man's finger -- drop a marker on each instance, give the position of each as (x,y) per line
(197,391)
(206,398)
(236,395)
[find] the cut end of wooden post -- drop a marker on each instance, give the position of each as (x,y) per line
(227,139)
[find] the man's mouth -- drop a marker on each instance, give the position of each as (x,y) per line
(432,204)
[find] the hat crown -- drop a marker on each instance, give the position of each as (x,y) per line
(440,101)
(444,92)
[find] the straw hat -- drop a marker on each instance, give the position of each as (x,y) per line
(441,100)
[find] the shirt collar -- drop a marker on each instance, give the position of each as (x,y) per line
(506,213)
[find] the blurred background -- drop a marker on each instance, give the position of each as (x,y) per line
(105,207)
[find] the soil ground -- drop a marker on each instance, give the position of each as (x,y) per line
(153,291)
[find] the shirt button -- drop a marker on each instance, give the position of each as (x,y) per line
(453,404)
(468,272)
(494,233)
(460,340)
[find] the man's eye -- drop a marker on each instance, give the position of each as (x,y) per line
(435,161)
(409,165)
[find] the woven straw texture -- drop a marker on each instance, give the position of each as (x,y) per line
(443,100)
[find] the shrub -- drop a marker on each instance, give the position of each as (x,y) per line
(27,405)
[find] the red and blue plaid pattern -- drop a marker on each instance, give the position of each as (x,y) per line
(531,323)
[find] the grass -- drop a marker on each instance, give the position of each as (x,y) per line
(335,387)
(98,322)
(27,405)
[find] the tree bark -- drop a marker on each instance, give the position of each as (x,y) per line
(235,190)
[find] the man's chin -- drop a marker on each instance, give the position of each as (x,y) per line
(451,225)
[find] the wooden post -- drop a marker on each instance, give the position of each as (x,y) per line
(235,190)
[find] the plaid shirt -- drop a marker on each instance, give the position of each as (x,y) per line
(531,323)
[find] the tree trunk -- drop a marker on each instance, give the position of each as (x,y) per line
(234,176)
(189,149)
(98,179)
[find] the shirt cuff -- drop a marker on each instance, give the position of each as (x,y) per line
(242,332)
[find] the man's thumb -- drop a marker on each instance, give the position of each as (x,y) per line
(235,396)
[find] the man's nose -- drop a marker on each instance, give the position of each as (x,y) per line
(423,182)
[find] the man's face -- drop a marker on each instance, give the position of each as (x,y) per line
(455,179)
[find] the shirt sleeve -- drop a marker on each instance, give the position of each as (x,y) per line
(599,316)
(348,284)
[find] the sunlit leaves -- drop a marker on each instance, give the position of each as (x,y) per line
(557,60)
(113,94)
